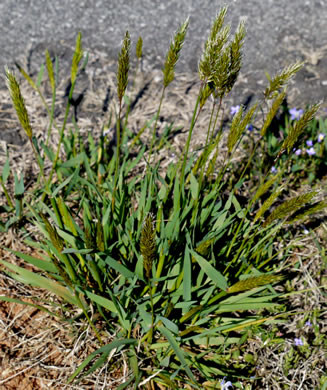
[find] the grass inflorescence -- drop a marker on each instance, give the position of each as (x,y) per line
(173,262)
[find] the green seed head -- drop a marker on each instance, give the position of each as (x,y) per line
(19,103)
(148,244)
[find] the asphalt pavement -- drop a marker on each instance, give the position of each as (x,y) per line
(279,32)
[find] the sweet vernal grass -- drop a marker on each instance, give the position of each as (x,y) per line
(169,72)
(122,80)
(163,259)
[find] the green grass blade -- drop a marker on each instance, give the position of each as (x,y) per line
(187,278)
(179,353)
(104,351)
(34,279)
(40,76)
(6,170)
(119,267)
(210,271)
(42,264)
(104,302)
(39,307)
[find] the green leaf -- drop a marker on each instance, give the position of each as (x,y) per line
(179,353)
(177,196)
(72,250)
(73,162)
(162,192)
(104,351)
(6,170)
(194,185)
(126,384)
(119,267)
(49,153)
(169,324)
(34,279)
(40,76)
(210,271)
(220,221)
(238,208)
(187,278)
(62,185)
(244,305)
(19,185)
(104,302)
(107,213)
(39,263)
(133,363)
(229,202)
(172,227)
(132,164)
(39,307)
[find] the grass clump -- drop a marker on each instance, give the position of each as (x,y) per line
(171,261)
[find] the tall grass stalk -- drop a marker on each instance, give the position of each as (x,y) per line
(122,80)
(169,73)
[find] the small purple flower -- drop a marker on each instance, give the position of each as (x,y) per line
(298,342)
(295,114)
(225,385)
(250,127)
(321,136)
(308,323)
(298,152)
(273,169)
(311,151)
(309,142)
(234,110)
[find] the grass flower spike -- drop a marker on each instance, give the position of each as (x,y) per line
(19,103)
(212,50)
(50,70)
(281,79)
(173,54)
(78,54)
(123,67)
(298,128)
(139,46)
(221,61)
(54,236)
(148,244)
(253,282)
